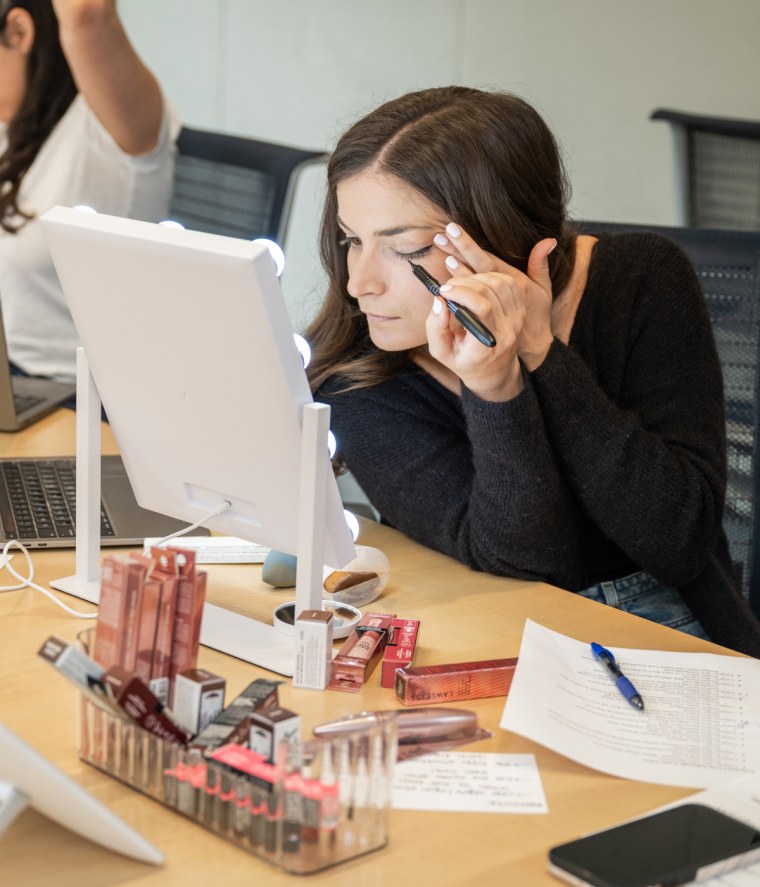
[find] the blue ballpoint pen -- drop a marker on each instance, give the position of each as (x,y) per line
(606,658)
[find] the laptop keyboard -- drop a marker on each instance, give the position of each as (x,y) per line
(24,402)
(42,497)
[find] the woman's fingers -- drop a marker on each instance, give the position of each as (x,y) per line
(489,295)
(538,263)
(463,249)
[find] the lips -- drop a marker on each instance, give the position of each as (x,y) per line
(378,318)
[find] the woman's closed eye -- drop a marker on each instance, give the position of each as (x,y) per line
(350,242)
(417,254)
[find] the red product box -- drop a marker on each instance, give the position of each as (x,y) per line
(166,571)
(399,651)
(191,595)
(141,705)
(427,684)
(146,636)
(132,614)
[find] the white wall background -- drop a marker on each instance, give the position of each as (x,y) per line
(298,71)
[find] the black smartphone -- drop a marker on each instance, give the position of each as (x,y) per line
(677,846)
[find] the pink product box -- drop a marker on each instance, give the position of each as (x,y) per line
(423,685)
(399,651)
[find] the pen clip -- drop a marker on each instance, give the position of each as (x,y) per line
(598,650)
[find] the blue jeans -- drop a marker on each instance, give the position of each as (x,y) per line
(644,596)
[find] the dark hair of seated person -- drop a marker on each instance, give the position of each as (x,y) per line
(487,158)
(50,91)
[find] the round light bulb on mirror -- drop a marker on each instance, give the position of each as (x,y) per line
(275,251)
(332,444)
(83,208)
(353,523)
(171,223)
(303,349)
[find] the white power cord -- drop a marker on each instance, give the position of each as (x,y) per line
(220,509)
(28,581)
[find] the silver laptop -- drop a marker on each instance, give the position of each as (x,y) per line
(25,399)
(38,505)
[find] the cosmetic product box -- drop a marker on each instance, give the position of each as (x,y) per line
(140,704)
(75,665)
(110,630)
(191,596)
(361,652)
(150,615)
(269,728)
(164,624)
(72,662)
(198,698)
(233,723)
(426,684)
(313,643)
(399,650)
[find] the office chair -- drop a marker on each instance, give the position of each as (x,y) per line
(240,187)
(717,170)
(728,266)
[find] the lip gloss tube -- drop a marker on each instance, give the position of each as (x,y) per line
(329,807)
(311,791)
(365,645)
(241,818)
(360,653)
(259,796)
(292,805)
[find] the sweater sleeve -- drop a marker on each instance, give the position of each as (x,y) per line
(646,461)
(487,492)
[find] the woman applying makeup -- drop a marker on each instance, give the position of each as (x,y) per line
(82,121)
(586,448)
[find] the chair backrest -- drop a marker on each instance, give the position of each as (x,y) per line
(240,187)
(717,170)
(728,266)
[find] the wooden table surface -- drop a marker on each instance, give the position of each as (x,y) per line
(465,616)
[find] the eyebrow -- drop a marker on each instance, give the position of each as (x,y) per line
(397,229)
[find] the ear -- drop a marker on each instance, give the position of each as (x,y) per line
(19,30)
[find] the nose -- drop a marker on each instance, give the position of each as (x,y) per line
(364,275)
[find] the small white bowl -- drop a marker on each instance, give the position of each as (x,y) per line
(345,617)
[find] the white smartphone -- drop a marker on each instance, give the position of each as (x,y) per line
(682,845)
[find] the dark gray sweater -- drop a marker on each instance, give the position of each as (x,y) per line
(611,460)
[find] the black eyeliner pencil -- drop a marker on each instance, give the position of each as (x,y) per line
(462,314)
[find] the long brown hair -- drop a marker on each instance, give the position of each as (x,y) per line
(486,158)
(49,92)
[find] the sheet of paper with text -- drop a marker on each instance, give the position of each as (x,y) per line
(700,725)
(469,782)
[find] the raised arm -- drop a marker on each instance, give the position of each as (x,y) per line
(119,88)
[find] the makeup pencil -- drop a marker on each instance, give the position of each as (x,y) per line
(462,314)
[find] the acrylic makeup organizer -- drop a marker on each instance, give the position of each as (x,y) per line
(328,801)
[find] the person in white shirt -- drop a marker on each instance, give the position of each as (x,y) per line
(82,121)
